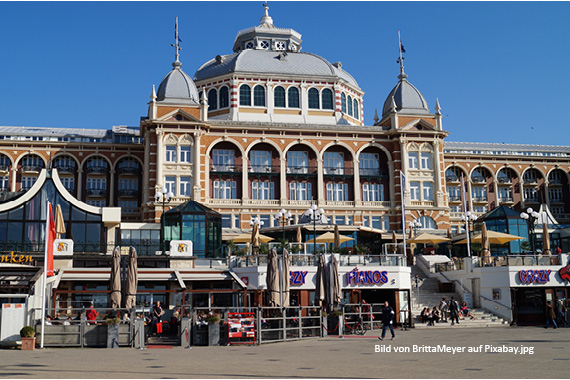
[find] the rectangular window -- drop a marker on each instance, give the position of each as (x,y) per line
(186,154)
(260,161)
(226,221)
(412,160)
(185,186)
(4,183)
(369,164)
(224,190)
(266,220)
(129,207)
(427,188)
(531,195)
(68,183)
(555,195)
(426,160)
(455,208)
(300,191)
(262,190)
(386,223)
(337,192)
(128,184)
(96,183)
(372,192)
(298,162)
(480,209)
(98,203)
(333,163)
(479,193)
(170,184)
(350,220)
(365,221)
(454,193)
(505,194)
(223,160)
(339,219)
(415,191)
(377,222)
(170,153)
(28,182)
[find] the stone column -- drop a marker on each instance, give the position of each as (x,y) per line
(112,188)
(196,172)
(356,182)
(283,180)
(146,169)
(320,181)
(159,158)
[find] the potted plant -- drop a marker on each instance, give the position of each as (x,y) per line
(28,335)
(213,321)
(112,331)
(334,321)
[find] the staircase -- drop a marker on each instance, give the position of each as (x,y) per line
(427,295)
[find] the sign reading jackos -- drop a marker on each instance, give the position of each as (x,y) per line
(366,277)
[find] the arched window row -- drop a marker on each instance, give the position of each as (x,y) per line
(285,97)
(245,96)
(350,106)
(218,98)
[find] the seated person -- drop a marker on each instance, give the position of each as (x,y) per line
(435,315)
(464,312)
(425,315)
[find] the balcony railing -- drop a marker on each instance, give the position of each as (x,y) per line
(530,181)
(301,170)
(340,203)
(65,169)
(377,172)
(480,199)
(376,203)
(235,202)
(222,168)
(309,260)
(454,198)
(504,180)
(128,171)
(4,168)
(531,199)
(556,200)
(554,182)
(32,168)
(506,200)
(327,171)
(96,192)
(452,178)
(263,169)
(97,170)
(478,179)
(128,193)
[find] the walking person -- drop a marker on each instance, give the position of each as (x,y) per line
(561,311)
(550,315)
(443,307)
(453,311)
(387,320)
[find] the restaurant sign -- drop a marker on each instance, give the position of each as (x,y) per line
(366,277)
(297,277)
(15,258)
(530,276)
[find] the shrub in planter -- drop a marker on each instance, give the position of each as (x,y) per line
(28,334)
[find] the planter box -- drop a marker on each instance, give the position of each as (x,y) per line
(29,343)
(214,334)
(113,336)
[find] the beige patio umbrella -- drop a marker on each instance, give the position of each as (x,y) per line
(59,222)
(336,237)
(485,251)
(286,280)
(115,278)
(132,280)
(246,238)
(336,287)
(328,237)
(545,240)
(320,289)
(428,239)
(494,238)
(272,278)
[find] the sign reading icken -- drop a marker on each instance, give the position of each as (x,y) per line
(14,258)
(366,277)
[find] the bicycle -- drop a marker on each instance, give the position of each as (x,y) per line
(358,329)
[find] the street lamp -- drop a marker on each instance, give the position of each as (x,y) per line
(415,225)
(531,217)
(283,218)
(315,214)
(466,218)
(166,198)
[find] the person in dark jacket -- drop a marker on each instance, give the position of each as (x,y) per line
(387,320)
(550,315)
(453,311)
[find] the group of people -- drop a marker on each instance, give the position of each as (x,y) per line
(444,310)
(556,314)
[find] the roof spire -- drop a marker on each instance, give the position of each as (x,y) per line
(153,94)
(437,107)
(176,45)
(266,19)
(401,59)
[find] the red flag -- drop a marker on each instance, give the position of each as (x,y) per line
(50,238)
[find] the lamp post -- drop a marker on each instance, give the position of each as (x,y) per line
(166,197)
(283,218)
(314,215)
(466,218)
(415,225)
(531,217)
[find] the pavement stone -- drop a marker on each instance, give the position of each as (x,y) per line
(330,357)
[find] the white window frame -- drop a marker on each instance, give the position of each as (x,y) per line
(333,163)
(415,191)
(300,191)
(337,191)
(426,160)
(170,184)
(224,189)
(372,192)
(223,159)
(262,190)
(170,153)
(186,154)
(185,186)
(412,160)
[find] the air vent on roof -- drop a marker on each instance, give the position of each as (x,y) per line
(282,56)
(219,59)
(338,65)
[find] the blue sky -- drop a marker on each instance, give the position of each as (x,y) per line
(499,69)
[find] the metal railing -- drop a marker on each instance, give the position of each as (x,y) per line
(312,260)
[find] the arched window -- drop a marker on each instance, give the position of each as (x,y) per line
(279,96)
(293,97)
(224,97)
(349,105)
(314,98)
(259,96)
(213,99)
(356,111)
(327,99)
(343,102)
(244,95)
(427,223)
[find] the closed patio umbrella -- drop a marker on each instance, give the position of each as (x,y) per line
(115,284)
(485,252)
(59,222)
(285,276)
(335,282)
(132,280)
(545,240)
(255,238)
(320,282)
(299,238)
(272,279)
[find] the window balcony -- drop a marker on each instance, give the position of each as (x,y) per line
(382,204)
(378,172)
(4,168)
(452,178)
(301,170)
(506,201)
(340,203)
(31,168)
(96,192)
(225,169)
(478,179)
(556,200)
(454,198)
(232,202)
(531,199)
(97,170)
(65,169)
(128,171)
(530,181)
(505,181)
(264,170)
(556,182)
(338,172)
(479,199)
(128,193)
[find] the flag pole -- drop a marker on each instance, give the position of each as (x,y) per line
(44,276)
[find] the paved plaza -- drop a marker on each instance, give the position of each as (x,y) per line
(331,357)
